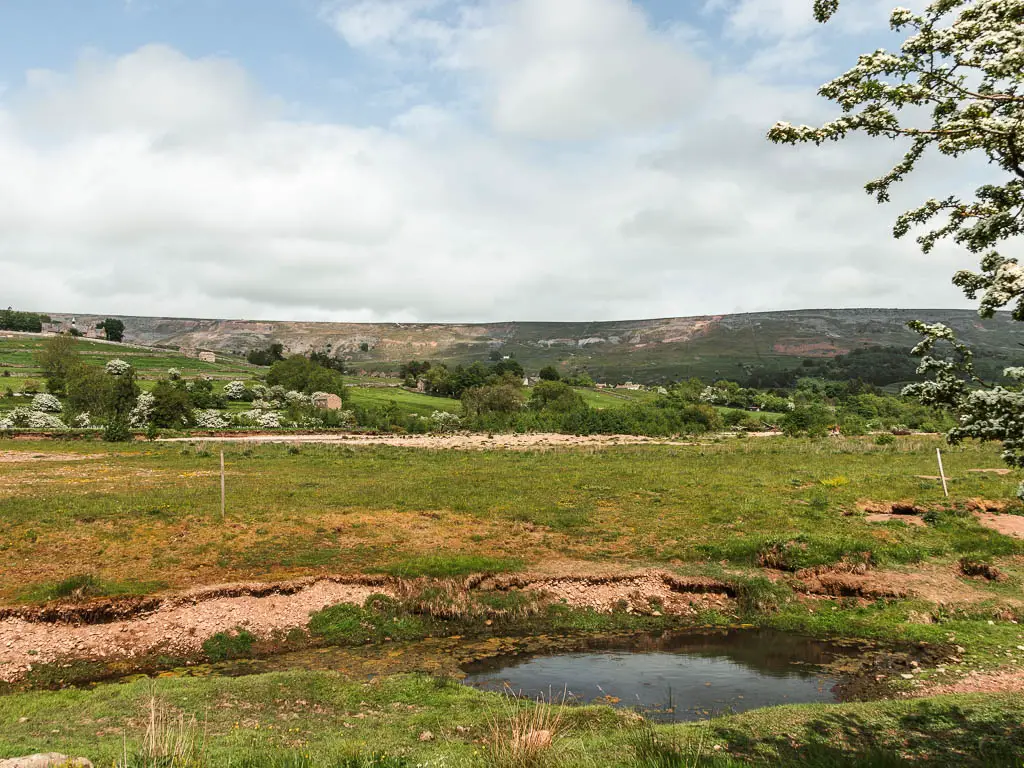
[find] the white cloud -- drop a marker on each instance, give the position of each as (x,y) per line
(579,69)
(155,183)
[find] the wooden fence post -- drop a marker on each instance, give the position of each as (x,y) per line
(222,485)
(942,472)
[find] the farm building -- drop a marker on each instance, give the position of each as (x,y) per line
(326,401)
(208,357)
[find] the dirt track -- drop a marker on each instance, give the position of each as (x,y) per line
(461,441)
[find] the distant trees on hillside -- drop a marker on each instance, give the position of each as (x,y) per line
(272,354)
(29,322)
(112,328)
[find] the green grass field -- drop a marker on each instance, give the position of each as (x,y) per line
(17,356)
(137,518)
(306,719)
(334,508)
(409,402)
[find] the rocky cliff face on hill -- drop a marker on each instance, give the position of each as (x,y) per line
(644,350)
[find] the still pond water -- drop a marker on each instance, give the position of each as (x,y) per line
(675,676)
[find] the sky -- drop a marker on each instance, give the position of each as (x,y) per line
(444,161)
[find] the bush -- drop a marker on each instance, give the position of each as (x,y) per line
(379,618)
(550,373)
(227,645)
(117,431)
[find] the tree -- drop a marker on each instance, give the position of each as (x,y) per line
(58,356)
(112,328)
(301,374)
(268,356)
(492,398)
(172,405)
(550,373)
(956,87)
(555,396)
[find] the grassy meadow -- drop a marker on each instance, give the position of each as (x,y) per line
(145,517)
(305,719)
(150,512)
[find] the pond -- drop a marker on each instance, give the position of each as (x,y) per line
(674,676)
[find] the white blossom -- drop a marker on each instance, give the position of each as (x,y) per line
(714,395)
(173,374)
(209,419)
(46,404)
(296,398)
(82,421)
(443,421)
(259,418)
(235,390)
(26,418)
(117,367)
(142,413)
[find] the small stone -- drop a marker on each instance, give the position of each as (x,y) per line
(655,613)
(426,736)
(906,676)
(48,760)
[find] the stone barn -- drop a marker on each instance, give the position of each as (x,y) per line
(207,357)
(327,402)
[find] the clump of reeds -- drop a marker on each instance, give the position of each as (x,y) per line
(171,740)
(524,736)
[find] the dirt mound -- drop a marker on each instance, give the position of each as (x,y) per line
(871,586)
(986,505)
(1008,525)
(889,507)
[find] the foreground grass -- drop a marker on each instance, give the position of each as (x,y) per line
(323,717)
(151,512)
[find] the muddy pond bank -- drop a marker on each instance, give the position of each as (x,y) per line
(673,674)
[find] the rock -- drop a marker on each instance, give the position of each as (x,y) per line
(535,740)
(426,736)
(49,760)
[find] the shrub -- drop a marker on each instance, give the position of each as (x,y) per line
(142,413)
(550,373)
(44,403)
(209,419)
(235,390)
(229,645)
(117,430)
(24,418)
(443,421)
(117,367)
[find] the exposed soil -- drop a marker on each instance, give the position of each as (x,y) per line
(1008,525)
(889,507)
(883,517)
(996,471)
(462,441)
(180,624)
(1004,681)
(18,457)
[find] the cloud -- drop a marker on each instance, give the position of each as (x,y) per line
(158,183)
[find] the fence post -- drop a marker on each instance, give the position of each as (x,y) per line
(942,472)
(222,485)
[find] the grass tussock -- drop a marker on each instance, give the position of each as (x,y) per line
(84,586)
(172,740)
(524,735)
(653,749)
